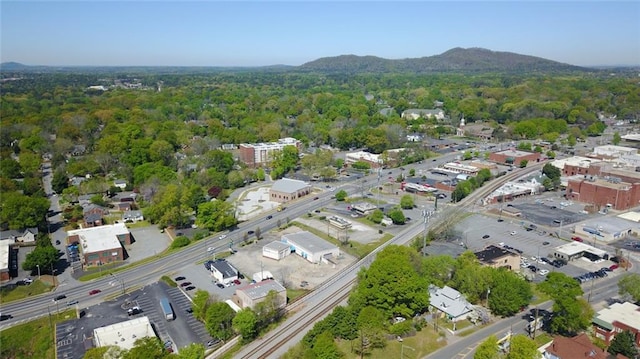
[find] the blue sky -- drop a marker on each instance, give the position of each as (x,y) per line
(243,33)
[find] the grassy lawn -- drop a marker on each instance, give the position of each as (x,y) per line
(542,339)
(294,294)
(425,342)
(21,292)
(459,325)
(355,249)
(32,340)
(140,224)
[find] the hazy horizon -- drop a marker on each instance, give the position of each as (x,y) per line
(258,34)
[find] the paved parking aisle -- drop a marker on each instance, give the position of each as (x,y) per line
(181,302)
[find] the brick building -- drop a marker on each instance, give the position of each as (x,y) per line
(261,154)
(513,157)
(619,317)
(604,193)
(498,257)
(101,245)
(286,189)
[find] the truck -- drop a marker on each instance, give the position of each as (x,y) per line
(166,309)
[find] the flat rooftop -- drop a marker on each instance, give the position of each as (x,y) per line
(100,238)
(308,241)
(260,289)
(5,244)
(625,313)
(514,153)
(123,334)
(575,247)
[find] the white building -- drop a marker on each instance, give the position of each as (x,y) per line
(123,334)
(614,151)
(575,249)
(5,250)
(276,250)
(223,271)
(311,247)
(363,156)
(259,154)
(250,295)
(449,302)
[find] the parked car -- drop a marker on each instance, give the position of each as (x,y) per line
(185,284)
(486,236)
(545,243)
(213,342)
(190,287)
(614,267)
(237,282)
(133,311)
(543,272)
(269,216)
(577,239)
(4,317)
(180,278)
(94,291)
(220,285)
(513,233)
(189,310)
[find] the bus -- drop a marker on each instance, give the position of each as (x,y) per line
(166,309)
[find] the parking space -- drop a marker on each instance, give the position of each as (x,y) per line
(149,241)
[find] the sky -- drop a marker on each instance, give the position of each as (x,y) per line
(261,33)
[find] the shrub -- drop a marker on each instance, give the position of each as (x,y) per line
(180,241)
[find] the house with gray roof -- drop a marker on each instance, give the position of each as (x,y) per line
(27,235)
(250,295)
(311,247)
(286,189)
(449,302)
(416,113)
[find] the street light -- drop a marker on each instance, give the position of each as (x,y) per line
(37,265)
(402,350)
(121,282)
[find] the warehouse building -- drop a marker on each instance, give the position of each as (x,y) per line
(311,247)
(276,250)
(123,334)
(250,295)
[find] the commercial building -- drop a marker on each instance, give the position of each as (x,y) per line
(461,168)
(363,208)
(101,245)
(311,247)
(286,189)
(223,271)
(261,154)
(513,157)
(123,334)
(575,250)
(619,317)
(604,192)
(276,250)
(250,295)
(363,156)
(5,258)
(512,190)
(605,229)
(498,257)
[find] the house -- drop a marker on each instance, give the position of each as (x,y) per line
(133,216)
(498,257)
(27,235)
(223,271)
(311,247)
(124,206)
(415,137)
(449,302)
(120,183)
(250,295)
(619,317)
(93,214)
(416,113)
(579,346)
(286,189)
(101,245)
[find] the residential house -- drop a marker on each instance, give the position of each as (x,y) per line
(571,348)
(133,216)
(449,302)
(120,183)
(93,215)
(27,235)
(416,113)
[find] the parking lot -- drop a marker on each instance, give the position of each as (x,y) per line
(182,331)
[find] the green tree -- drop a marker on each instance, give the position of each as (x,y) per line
(509,293)
(341,195)
(371,323)
(260,175)
(522,347)
(570,316)
(397,216)
(630,285)
(19,211)
(60,181)
(201,302)
(412,172)
(623,343)
(10,168)
(324,347)
(616,138)
(284,161)
(559,285)
(524,163)
(270,309)
(43,256)
(215,215)
(392,284)
(146,348)
(438,269)
(406,201)
(192,351)
(245,323)
(470,278)
(361,165)
(488,349)
(219,320)
(376,216)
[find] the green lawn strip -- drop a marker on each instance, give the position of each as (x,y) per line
(424,342)
(21,292)
(294,294)
(542,338)
(33,339)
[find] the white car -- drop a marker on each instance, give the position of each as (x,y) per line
(513,233)
(223,236)
(524,264)
(543,271)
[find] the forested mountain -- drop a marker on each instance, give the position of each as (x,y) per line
(454,60)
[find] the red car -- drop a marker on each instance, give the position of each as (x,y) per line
(237,282)
(577,239)
(614,267)
(95,291)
